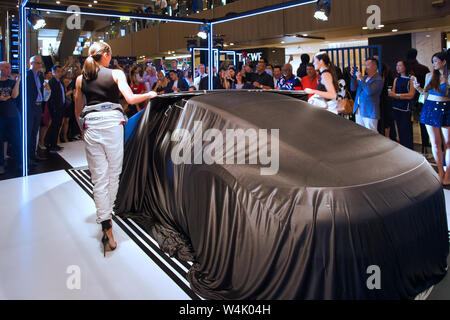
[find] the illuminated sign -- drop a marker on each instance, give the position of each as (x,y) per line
(253,56)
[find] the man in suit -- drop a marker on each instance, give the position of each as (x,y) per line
(201,74)
(204,83)
(56,105)
(367,101)
(176,84)
(36,97)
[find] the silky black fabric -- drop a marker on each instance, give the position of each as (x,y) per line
(344,199)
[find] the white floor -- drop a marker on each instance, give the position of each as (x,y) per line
(74,153)
(47,225)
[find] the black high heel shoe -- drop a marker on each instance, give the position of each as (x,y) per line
(106,225)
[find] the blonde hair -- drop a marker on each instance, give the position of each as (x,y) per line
(91,65)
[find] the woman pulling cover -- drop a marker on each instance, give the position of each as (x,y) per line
(101,124)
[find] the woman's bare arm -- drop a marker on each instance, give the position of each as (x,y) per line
(328,83)
(130,97)
(78,100)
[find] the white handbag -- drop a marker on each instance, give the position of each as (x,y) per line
(318,101)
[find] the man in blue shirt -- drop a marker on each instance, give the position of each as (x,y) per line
(288,81)
(9,115)
(367,101)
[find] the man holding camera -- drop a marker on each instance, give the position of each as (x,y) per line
(367,101)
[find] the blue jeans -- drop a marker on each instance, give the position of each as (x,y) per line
(10,130)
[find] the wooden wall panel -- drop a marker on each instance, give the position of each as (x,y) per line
(146,41)
(345,14)
(122,46)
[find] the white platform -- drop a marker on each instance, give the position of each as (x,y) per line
(48,224)
(74,153)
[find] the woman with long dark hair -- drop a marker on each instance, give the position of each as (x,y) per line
(101,123)
(436,112)
(328,84)
(402,93)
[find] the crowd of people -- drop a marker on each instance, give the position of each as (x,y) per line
(385,101)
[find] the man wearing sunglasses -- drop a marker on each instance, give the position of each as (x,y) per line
(36,98)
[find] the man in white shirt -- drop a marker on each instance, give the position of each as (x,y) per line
(201,75)
(277,74)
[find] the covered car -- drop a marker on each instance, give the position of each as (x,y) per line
(348,214)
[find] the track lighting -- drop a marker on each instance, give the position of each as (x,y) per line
(323,10)
(35,20)
(203,33)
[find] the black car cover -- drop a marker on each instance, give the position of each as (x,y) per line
(348,214)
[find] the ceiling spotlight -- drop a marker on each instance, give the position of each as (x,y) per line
(365,28)
(58,2)
(394,30)
(90,5)
(35,20)
(323,10)
(95,1)
(305,35)
(231,44)
(203,33)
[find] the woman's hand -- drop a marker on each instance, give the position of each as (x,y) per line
(151,94)
(4,98)
(416,83)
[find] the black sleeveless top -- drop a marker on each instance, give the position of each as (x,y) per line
(320,86)
(102,89)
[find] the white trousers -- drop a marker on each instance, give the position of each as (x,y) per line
(371,124)
(104,139)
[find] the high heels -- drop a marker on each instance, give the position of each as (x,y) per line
(106,226)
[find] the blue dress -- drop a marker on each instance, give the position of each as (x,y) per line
(437,113)
(401,115)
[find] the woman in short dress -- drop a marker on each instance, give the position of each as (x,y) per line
(436,112)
